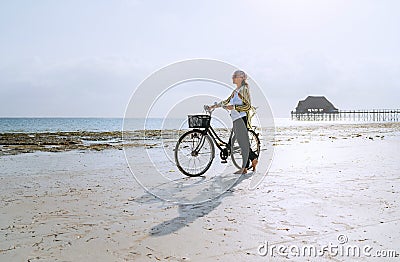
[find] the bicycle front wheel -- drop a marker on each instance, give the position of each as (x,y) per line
(194,153)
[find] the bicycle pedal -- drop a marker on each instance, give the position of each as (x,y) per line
(224,161)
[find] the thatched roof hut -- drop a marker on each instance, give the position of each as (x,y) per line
(315,104)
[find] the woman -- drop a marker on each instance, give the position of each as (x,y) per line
(239,103)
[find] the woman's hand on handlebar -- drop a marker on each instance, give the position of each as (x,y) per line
(208,108)
(211,107)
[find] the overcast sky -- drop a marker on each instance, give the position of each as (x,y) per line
(85,58)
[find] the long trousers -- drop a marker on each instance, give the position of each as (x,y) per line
(242,136)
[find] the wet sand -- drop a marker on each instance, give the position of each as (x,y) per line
(85,205)
(18,143)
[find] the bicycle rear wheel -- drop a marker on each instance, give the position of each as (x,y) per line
(236,152)
(194,153)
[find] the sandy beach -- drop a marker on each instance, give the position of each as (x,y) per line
(328,183)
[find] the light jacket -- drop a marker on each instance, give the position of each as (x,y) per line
(244,94)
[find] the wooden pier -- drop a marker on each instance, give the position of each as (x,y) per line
(318,108)
(379,115)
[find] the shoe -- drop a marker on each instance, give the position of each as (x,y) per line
(254,164)
(241,171)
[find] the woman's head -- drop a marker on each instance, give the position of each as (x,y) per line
(239,78)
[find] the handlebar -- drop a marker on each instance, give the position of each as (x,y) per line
(208,110)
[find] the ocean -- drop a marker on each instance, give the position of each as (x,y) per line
(47,124)
(61,124)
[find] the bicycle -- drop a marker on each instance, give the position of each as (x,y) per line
(198,145)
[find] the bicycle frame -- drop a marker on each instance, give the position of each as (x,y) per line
(211,132)
(222,145)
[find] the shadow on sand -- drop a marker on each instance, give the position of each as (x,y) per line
(190,212)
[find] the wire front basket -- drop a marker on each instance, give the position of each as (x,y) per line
(199,121)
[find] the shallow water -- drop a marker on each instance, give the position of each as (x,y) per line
(34,125)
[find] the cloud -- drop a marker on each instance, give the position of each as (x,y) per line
(346,50)
(102,86)
(84,87)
